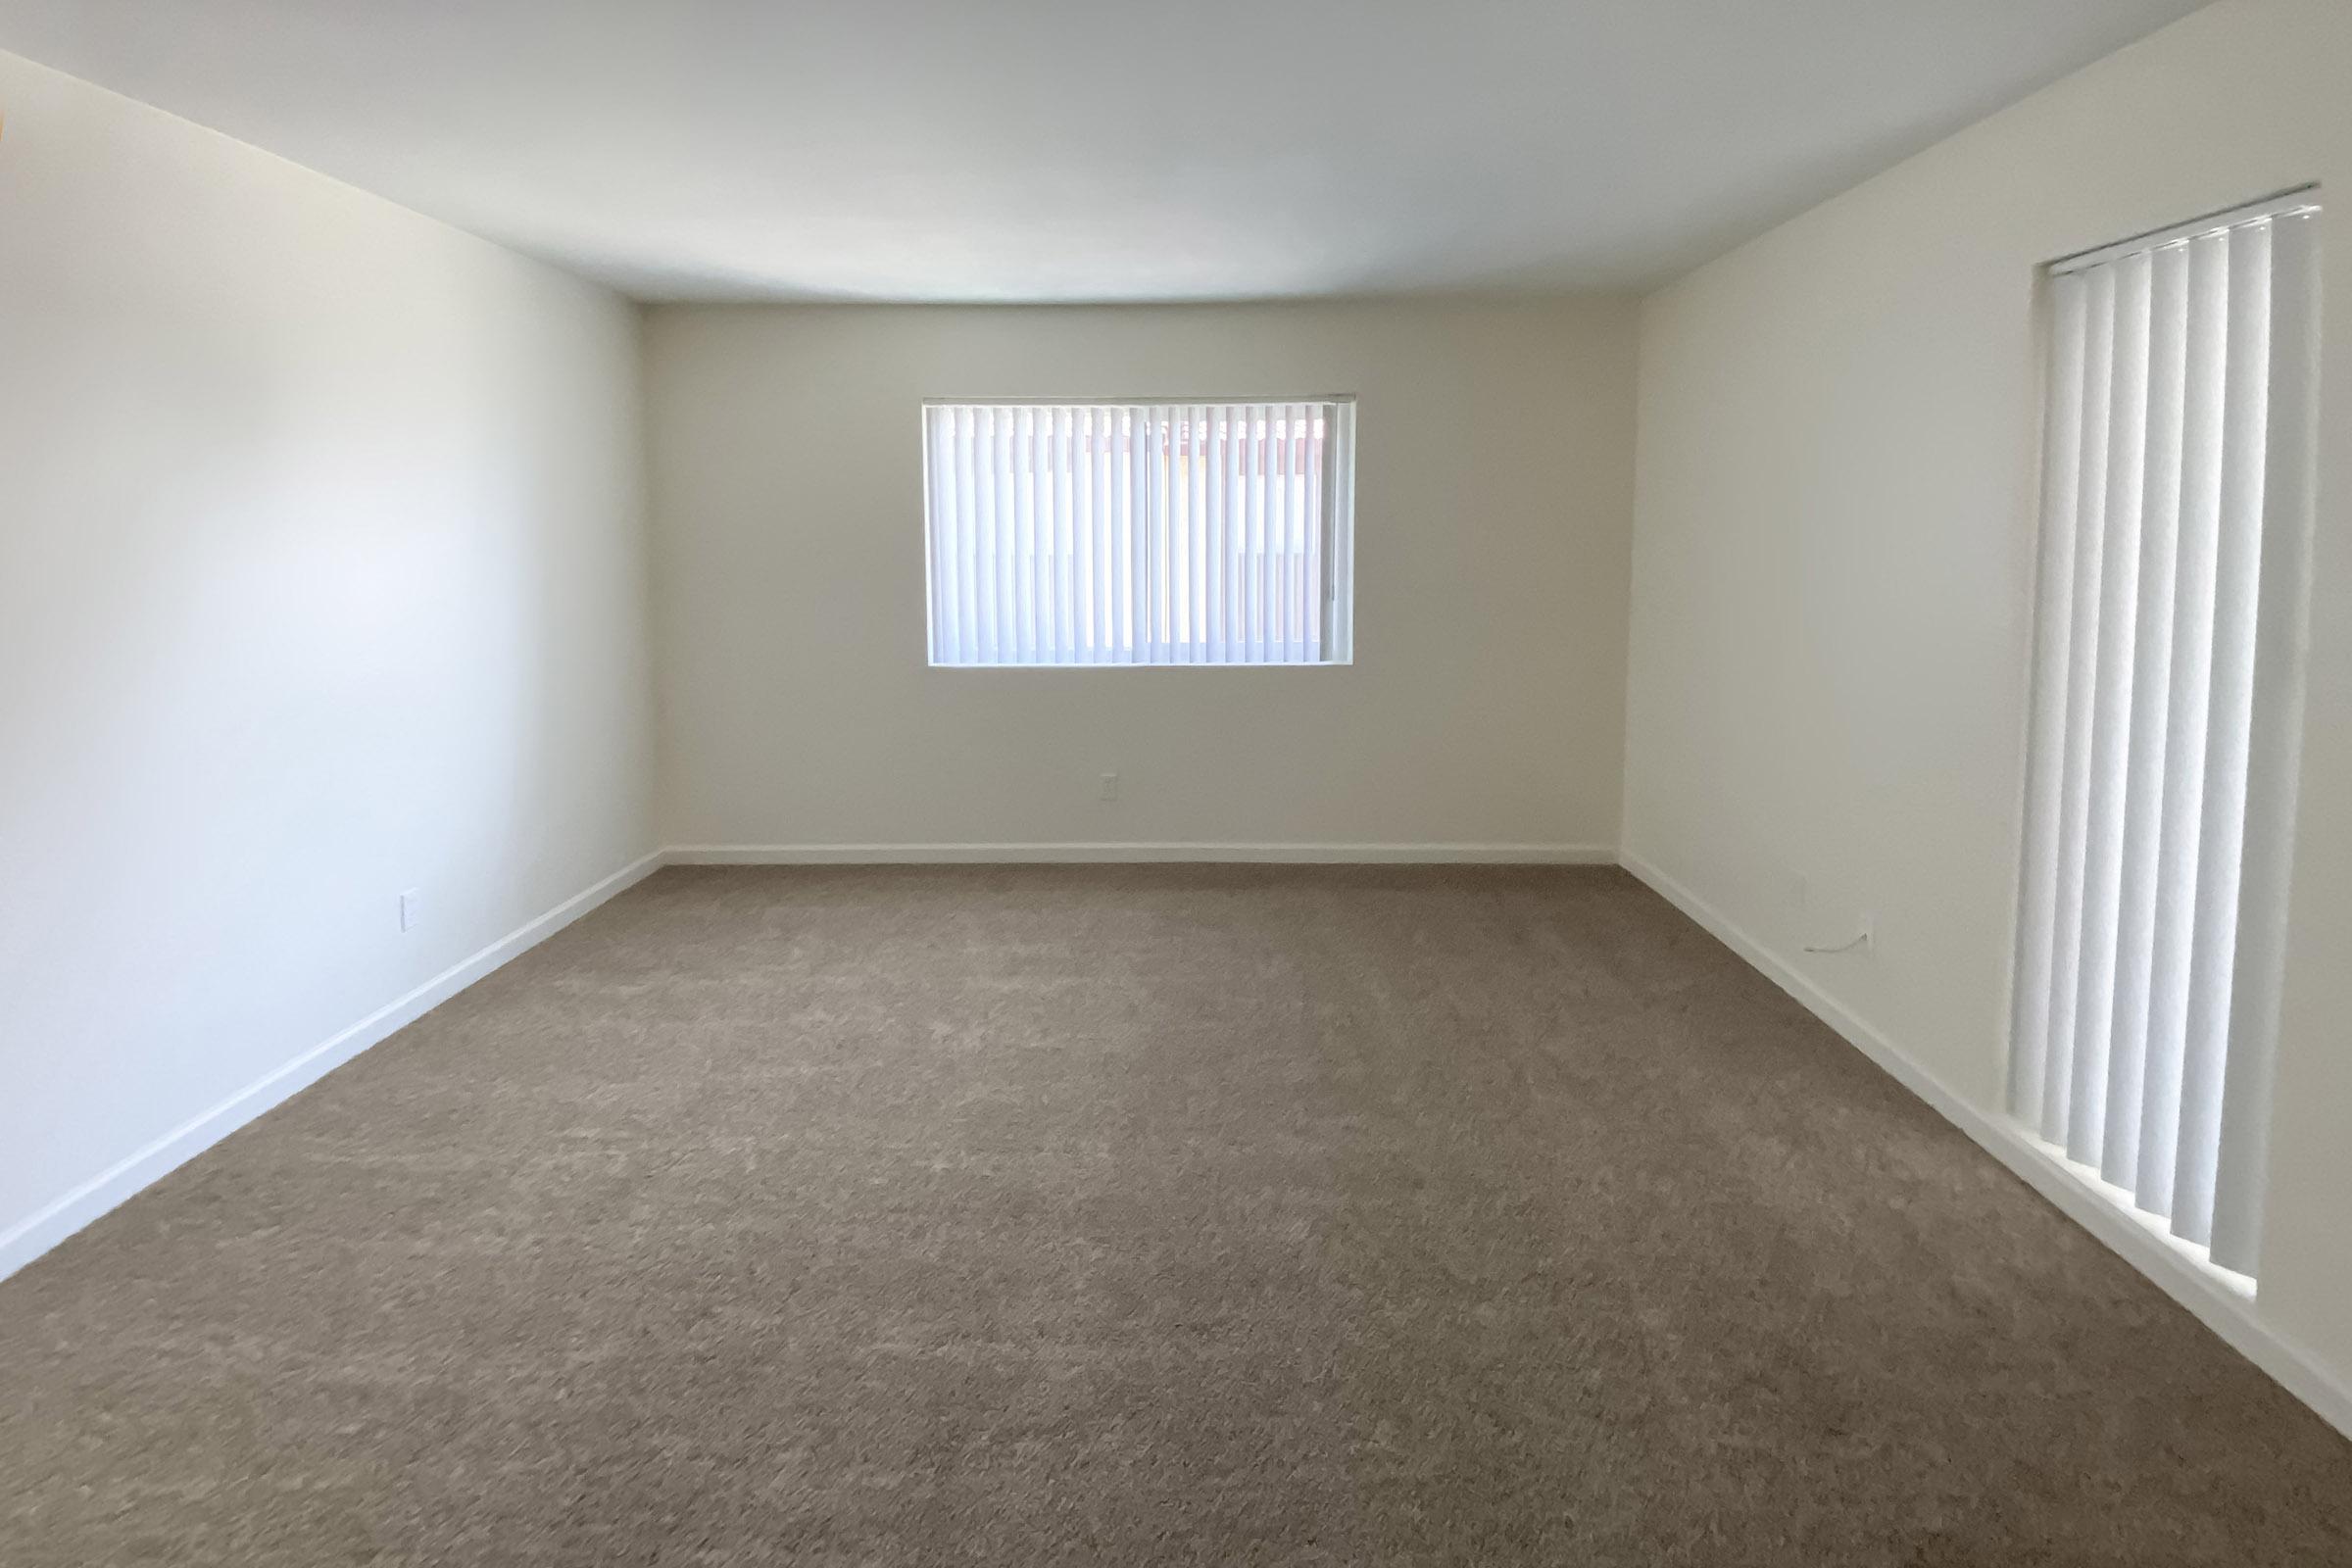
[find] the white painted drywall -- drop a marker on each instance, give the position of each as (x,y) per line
(323,575)
(1493,485)
(1834,553)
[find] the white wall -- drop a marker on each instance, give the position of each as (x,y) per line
(322,576)
(1495,501)
(1833,556)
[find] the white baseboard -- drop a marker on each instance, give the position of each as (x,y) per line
(1055,854)
(2223,1309)
(34,1235)
(2228,1311)
(31,1236)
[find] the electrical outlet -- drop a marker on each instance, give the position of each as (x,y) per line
(1111,786)
(411,909)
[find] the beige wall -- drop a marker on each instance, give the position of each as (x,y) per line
(323,575)
(1494,504)
(1833,565)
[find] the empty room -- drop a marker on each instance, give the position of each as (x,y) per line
(1356,782)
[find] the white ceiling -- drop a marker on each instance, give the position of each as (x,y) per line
(1088,149)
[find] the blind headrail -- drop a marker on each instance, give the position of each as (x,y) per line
(1157,400)
(2302,198)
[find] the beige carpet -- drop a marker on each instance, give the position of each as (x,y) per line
(1119,1217)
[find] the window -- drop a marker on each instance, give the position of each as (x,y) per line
(2176,512)
(1139,533)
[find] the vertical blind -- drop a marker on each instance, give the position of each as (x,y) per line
(2176,517)
(1139,533)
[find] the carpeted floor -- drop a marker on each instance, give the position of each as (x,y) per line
(1125,1215)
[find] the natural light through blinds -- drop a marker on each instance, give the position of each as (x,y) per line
(2175,521)
(1139,533)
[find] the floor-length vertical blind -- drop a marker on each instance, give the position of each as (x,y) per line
(2175,520)
(1139,533)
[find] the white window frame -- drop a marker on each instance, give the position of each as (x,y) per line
(1142,625)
